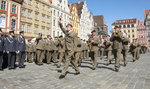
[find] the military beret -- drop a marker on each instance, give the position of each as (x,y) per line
(93,31)
(69,25)
(116,27)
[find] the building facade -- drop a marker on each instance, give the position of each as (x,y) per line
(74,17)
(36,17)
(100,24)
(85,19)
(59,9)
(10,11)
(147,23)
(128,26)
(142,34)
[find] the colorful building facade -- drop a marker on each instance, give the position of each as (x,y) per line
(74,17)
(36,17)
(142,33)
(128,26)
(10,12)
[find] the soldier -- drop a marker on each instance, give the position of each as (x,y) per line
(116,38)
(48,49)
(61,50)
(30,51)
(21,46)
(102,47)
(138,50)
(40,49)
(133,47)
(94,42)
(108,49)
(70,36)
(1,49)
(11,49)
(125,49)
(78,52)
(55,50)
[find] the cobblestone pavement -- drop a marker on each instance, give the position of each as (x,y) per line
(135,76)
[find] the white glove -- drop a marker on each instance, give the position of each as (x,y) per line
(7,51)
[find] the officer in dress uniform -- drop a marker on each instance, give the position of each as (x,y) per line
(11,49)
(1,49)
(21,47)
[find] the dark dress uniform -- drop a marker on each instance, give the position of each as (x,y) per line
(11,51)
(21,47)
(1,51)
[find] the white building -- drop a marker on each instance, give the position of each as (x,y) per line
(86,20)
(59,9)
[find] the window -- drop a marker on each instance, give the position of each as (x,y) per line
(128,25)
(128,31)
(57,33)
(13,8)
(36,15)
(124,26)
(133,30)
(129,36)
(37,4)
(43,17)
(29,14)
(48,19)
(54,12)
(36,28)
(54,22)
(22,27)
(3,5)
(120,26)
(13,24)
(133,36)
(132,25)
(53,34)
(28,28)
(23,12)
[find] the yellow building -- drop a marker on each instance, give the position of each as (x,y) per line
(74,17)
(36,17)
(128,26)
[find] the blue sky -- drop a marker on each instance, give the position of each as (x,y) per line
(117,9)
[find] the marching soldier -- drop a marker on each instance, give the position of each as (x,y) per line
(125,49)
(1,49)
(61,50)
(94,42)
(134,46)
(78,52)
(48,49)
(40,49)
(21,46)
(30,51)
(102,47)
(138,50)
(55,50)
(11,49)
(70,36)
(108,49)
(116,38)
